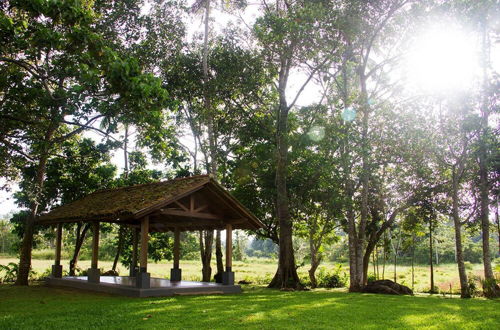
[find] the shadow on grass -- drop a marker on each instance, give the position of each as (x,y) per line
(257,307)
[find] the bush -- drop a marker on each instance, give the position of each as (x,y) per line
(10,272)
(334,279)
(490,288)
(471,282)
(371,277)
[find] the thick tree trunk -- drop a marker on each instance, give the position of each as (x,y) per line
(355,283)
(80,238)
(206,242)
(286,276)
(315,261)
(29,227)
(464,285)
(218,257)
(361,264)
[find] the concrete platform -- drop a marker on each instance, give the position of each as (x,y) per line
(159,287)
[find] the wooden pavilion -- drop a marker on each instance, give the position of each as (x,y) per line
(185,204)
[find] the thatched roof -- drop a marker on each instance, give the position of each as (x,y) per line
(191,203)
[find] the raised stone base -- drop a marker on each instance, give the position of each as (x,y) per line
(142,280)
(94,275)
(159,287)
(175,274)
(57,271)
(228,278)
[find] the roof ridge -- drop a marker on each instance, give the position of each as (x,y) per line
(150,183)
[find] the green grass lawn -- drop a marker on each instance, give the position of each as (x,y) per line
(40,307)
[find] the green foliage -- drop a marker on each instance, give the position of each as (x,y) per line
(9,272)
(490,288)
(336,278)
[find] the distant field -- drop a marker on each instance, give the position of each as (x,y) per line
(260,271)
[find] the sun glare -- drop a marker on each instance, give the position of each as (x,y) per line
(443,60)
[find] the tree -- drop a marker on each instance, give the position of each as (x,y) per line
(236,78)
(292,34)
(57,70)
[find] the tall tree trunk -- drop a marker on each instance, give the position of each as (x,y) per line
(361,276)
(286,276)
(121,234)
(218,257)
(29,227)
(121,230)
(385,258)
(395,266)
(498,227)
(315,260)
(413,262)
(483,161)
(206,242)
(355,284)
(430,257)
(80,238)
(212,146)
(464,285)
(374,265)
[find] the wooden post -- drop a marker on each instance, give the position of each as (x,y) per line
(142,278)
(229,247)
(95,245)
(135,248)
(58,244)
(177,235)
(176,272)
(144,244)
(228,275)
(57,268)
(93,273)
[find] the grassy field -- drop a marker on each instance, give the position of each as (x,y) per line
(39,307)
(260,271)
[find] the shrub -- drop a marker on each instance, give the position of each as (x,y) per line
(10,272)
(471,282)
(371,277)
(490,288)
(468,265)
(334,279)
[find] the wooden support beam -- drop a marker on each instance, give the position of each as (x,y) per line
(95,245)
(181,206)
(190,214)
(58,244)
(229,247)
(201,208)
(177,238)
(144,244)
(191,203)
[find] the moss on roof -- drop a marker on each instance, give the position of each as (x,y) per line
(111,204)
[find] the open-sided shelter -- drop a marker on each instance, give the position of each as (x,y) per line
(185,204)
